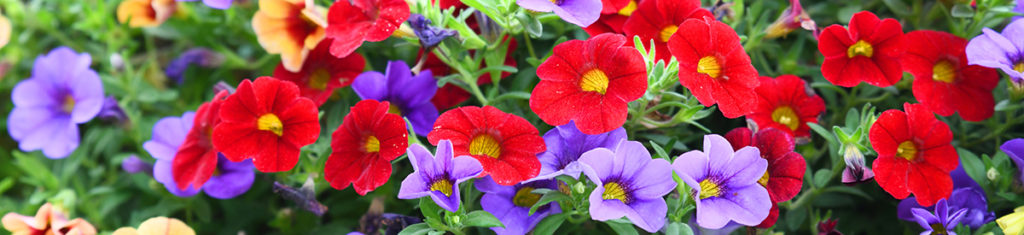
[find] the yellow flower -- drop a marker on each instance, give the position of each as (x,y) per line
(158,226)
(1013,223)
(145,13)
(290,28)
(48,220)
(5,31)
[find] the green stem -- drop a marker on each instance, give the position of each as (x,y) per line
(529,46)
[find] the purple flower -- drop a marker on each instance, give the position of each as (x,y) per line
(218,4)
(1003,51)
(438,175)
(1015,150)
(132,164)
(229,180)
(565,146)
(725,184)
(112,111)
(856,170)
(967,195)
(578,12)
(409,95)
(511,204)
(629,184)
(1018,9)
(62,93)
(942,222)
(429,35)
(199,56)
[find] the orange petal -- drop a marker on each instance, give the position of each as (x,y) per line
(281,8)
(139,12)
(165,226)
(126,231)
(5,31)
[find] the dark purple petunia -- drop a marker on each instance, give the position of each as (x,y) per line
(967,194)
(229,180)
(578,12)
(438,176)
(1004,51)
(218,4)
(511,204)
(62,93)
(133,164)
(1015,150)
(199,56)
(112,111)
(565,146)
(429,35)
(942,221)
(724,183)
(630,184)
(409,95)
(856,170)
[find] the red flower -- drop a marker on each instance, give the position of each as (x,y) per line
(322,73)
(505,144)
(714,66)
(869,51)
(613,16)
(943,80)
(785,174)
(590,82)
(914,154)
(364,145)
(267,121)
(659,20)
(349,24)
(196,159)
(450,95)
(783,103)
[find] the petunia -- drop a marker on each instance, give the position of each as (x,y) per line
(658,20)
(967,194)
(364,145)
(612,22)
(408,93)
(62,93)
(784,103)
(267,121)
(629,183)
(714,66)
(511,204)
(914,154)
(578,12)
(199,56)
(48,220)
(944,81)
(112,110)
(828,227)
(158,226)
(290,28)
(725,183)
(566,144)
(792,18)
(1015,150)
(868,51)
(856,170)
(1012,223)
(1003,51)
(429,36)
(351,23)
(322,73)
(942,221)
(438,175)
(133,164)
(785,173)
(195,160)
(589,82)
(145,13)
(5,30)
(506,145)
(217,4)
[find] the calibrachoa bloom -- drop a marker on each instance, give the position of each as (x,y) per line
(145,13)
(856,170)
(199,56)
(659,20)
(967,195)
(629,183)
(195,160)
(914,154)
(612,22)
(578,12)
(1002,51)
(409,94)
(290,28)
(725,183)
(714,66)
(785,174)
(794,17)
(942,221)
(267,121)
(322,73)
(868,51)
(783,103)
(429,36)
(1012,223)
(942,79)
(158,226)
(48,220)
(589,82)
(62,93)
(511,204)
(505,144)
(349,24)
(438,175)
(364,145)
(218,4)
(169,144)
(565,146)
(1015,150)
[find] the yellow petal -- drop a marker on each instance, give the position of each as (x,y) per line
(165,226)
(5,31)
(126,231)
(280,8)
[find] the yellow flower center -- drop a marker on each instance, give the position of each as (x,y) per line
(485,144)
(442,185)
(270,122)
(786,116)
(943,71)
(1019,67)
(614,190)
(319,78)
(667,32)
(556,2)
(395,109)
(709,189)
(709,65)
(69,104)
(594,80)
(764,179)
(372,144)
(907,150)
(629,9)
(525,197)
(861,48)
(938,229)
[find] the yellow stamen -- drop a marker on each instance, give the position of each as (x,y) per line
(270,122)
(594,80)
(943,71)
(69,104)
(525,197)
(764,179)
(629,9)
(709,189)
(614,190)
(556,2)
(1019,67)
(907,150)
(395,109)
(442,185)
(372,144)
(786,116)
(709,65)
(667,32)
(318,79)
(861,48)
(485,144)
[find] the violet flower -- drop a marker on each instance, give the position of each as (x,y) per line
(112,110)
(229,180)
(1015,150)
(409,95)
(511,204)
(629,183)
(429,35)
(438,175)
(62,93)
(724,183)
(942,222)
(133,164)
(565,146)
(1003,51)
(199,56)
(578,12)
(856,170)
(967,194)
(1019,8)
(217,4)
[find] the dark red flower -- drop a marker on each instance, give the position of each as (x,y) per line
(942,79)
(322,73)
(364,145)
(449,95)
(505,144)
(349,24)
(590,82)
(914,154)
(714,66)
(267,121)
(785,174)
(659,20)
(196,159)
(783,103)
(869,51)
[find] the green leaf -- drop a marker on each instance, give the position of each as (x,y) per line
(549,225)
(519,95)
(852,117)
(415,229)
(622,227)
(962,10)
(657,148)
(482,219)
(822,132)
(974,167)
(821,177)
(550,196)
(678,228)
(429,209)
(532,25)
(35,169)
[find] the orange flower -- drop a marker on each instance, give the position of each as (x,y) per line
(291,28)
(145,13)
(158,226)
(5,31)
(48,220)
